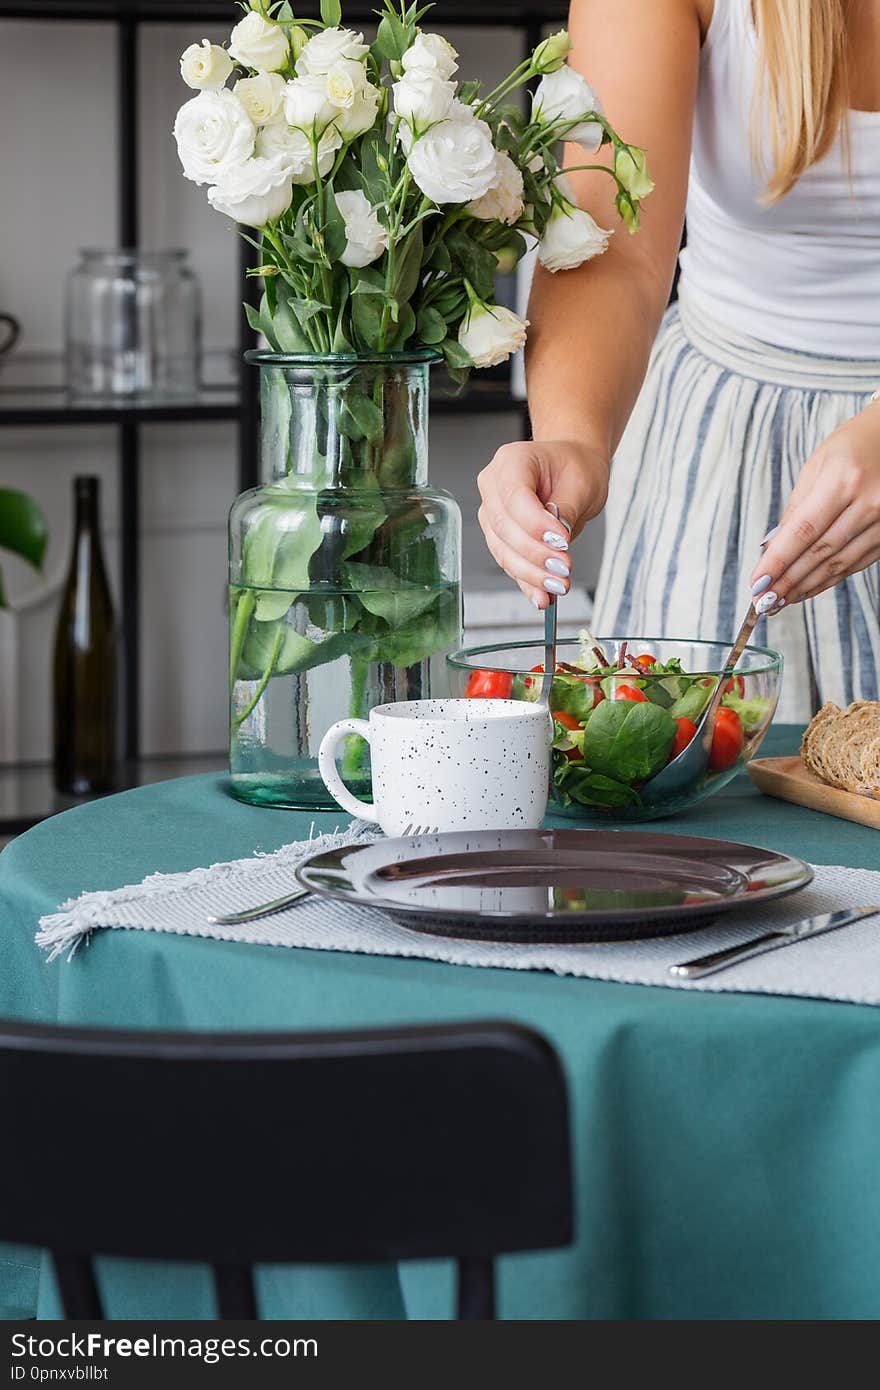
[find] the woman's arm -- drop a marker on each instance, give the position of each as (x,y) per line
(592,328)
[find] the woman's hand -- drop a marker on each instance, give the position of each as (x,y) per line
(831,526)
(526,540)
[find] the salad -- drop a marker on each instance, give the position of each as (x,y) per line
(618,723)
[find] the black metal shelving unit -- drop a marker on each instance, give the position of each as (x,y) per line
(36,405)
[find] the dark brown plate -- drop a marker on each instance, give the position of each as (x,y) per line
(554,885)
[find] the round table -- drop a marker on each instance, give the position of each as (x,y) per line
(725,1145)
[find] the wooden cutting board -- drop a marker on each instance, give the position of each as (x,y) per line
(789,779)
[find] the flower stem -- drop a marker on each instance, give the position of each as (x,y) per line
(264,679)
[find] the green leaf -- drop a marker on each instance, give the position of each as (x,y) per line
(271,604)
(455,354)
(23,528)
(362,522)
(439,259)
(477,264)
(288,329)
(392,37)
(331,13)
(281,541)
(335,240)
(385,594)
(468,91)
(306,309)
(366,319)
(367,281)
(373,177)
(408,266)
(595,789)
(430,326)
(367,416)
(628,740)
(406,325)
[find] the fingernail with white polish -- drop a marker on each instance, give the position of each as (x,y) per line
(554,586)
(556,566)
(769,536)
(761,584)
(780,604)
(553,538)
(766,602)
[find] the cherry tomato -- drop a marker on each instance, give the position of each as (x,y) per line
(727,740)
(683,735)
(646,659)
(735,685)
(568,721)
(489,685)
(631,692)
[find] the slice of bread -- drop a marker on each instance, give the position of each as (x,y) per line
(842,747)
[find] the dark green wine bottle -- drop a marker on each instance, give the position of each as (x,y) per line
(85,703)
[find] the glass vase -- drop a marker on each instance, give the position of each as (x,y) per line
(344,569)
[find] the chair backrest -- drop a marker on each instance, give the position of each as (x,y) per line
(236,1149)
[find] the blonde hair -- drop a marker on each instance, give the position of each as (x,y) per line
(800,96)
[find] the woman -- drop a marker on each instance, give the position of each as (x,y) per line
(750,461)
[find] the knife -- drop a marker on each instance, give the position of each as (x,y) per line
(769,941)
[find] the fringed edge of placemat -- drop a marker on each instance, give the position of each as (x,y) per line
(76,919)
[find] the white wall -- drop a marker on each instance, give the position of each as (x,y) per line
(57,193)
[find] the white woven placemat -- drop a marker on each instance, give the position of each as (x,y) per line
(842,965)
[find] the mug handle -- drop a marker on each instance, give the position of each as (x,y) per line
(13,328)
(329,774)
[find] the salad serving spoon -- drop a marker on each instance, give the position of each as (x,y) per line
(692,761)
(550,617)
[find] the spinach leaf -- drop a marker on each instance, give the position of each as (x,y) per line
(572,696)
(628,741)
(579,783)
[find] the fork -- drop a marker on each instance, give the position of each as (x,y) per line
(252,914)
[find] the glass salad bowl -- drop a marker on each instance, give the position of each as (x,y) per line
(623,708)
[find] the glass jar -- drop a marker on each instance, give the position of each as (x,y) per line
(344,568)
(133,325)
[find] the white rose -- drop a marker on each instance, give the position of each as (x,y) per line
(254,193)
(205,65)
(455,161)
(421,98)
(565,96)
(306,104)
(551,53)
(327,48)
(343,82)
(490,333)
(571,237)
(365,237)
(213,133)
(262,96)
(433,53)
(293,148)
(355,119)
(257,43)
(504,202)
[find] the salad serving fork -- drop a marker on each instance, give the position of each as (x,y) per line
(253,914)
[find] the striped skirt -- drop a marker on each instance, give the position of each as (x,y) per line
(704,470)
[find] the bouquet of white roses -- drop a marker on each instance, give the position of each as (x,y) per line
(387,193)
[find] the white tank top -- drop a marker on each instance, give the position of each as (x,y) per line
(802,274)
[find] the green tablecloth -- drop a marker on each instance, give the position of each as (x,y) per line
(726,1146)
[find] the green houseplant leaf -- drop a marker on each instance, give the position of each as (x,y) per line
(23,529)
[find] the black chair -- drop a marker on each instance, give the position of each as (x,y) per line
(242,1149)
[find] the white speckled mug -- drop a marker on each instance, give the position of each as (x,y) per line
(448,765)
